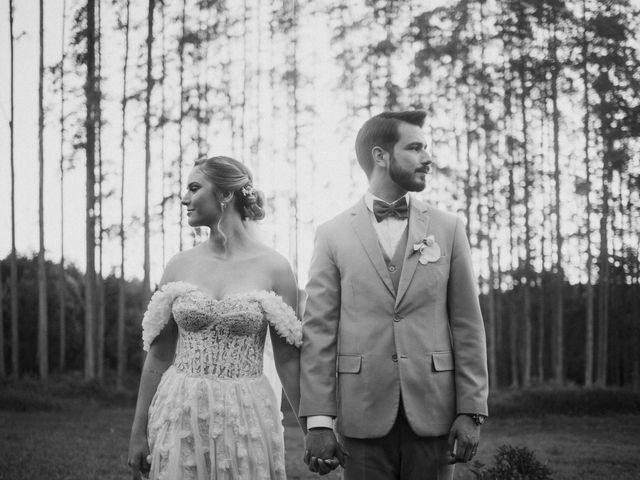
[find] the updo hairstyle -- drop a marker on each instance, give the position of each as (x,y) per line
(229,175)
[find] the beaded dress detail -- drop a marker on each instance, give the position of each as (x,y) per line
(215,415)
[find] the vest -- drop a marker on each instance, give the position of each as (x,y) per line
(394,264)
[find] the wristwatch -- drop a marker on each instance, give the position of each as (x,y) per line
(477,418)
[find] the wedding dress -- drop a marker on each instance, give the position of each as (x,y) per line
(215,414)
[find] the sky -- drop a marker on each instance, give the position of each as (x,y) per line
(330,192)
(331,152)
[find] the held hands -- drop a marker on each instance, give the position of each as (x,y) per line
(322,452)
(138,459)
(464,437)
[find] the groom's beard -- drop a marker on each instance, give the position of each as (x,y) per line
(409,180)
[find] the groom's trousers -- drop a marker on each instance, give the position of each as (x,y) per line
(399,455)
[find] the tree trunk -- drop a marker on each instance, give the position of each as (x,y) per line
(468,184)
(100,283)
(183,21)
(122,352)
(13,261)
(541,312)
(603,297)
(147,149)
(526,313)
(43,322)
(3,368)
(90,125)
(294,200)
(557,333)
(163,106)
(62,284)
(589,321)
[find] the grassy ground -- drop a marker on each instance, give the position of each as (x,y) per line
(90,443)
(44,436)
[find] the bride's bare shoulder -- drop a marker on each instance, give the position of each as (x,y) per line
(180,263)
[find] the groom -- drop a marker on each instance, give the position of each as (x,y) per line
(393,340)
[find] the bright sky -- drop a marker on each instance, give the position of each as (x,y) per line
(331,153)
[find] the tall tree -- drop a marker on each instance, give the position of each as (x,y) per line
(589,317)
(43,323)
(101,320)
(3,368)
(90,220)
(181,118)
(13,262)
(557,331)
(62,296)
(147,146)
(121,345)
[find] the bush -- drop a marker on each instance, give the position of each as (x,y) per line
(512,463)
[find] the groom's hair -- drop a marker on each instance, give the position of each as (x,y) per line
(382,131)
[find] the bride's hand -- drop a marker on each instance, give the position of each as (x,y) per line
(139,459)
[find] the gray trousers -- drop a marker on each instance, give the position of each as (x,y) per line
(399,455)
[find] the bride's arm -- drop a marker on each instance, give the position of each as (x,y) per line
(158,359)
(286,355)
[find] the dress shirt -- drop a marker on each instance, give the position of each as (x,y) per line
(389,232)
(390,229)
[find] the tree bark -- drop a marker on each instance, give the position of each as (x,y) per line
(43,321)
(147,149)
(183,22)
(100,281)
(589,320)
(558,321)
(62,284)
(13,260)
(526,313)
(603,297)
(121,347)
(90,125)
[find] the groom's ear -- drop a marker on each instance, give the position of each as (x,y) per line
(380,156)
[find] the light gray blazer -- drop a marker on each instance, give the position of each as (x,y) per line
(363,343)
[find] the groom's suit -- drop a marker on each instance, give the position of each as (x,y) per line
(383,329)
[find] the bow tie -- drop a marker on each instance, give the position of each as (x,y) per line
(382,210)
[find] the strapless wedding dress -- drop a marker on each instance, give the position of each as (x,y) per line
(215,415)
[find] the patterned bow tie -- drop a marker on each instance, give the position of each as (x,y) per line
(382,210)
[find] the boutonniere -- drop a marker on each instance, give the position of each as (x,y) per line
(428,248)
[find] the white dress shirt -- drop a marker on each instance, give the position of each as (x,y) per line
(389,232)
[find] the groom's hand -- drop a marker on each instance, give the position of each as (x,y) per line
(464,437)
(323,453)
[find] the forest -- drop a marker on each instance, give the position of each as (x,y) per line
(533,122)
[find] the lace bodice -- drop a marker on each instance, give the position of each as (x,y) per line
(219,338)
(222,338)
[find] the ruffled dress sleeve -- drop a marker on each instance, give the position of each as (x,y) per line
(282,317)
(159,310)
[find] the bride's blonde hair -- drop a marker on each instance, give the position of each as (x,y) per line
(231,176)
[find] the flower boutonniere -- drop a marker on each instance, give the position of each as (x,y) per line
(428,248)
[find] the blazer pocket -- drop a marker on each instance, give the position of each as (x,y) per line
(349,363)
(442,361)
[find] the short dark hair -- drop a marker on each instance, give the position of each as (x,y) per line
(382,131)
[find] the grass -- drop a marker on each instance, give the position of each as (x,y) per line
(58,433)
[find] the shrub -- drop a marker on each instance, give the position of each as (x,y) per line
(512,463)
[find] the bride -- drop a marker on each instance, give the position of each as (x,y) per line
(205,409)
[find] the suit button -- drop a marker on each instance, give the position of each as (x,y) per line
(392,268)
(394,357)
(397,318)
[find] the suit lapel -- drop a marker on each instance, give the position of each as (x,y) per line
(418,223)
(369,239)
